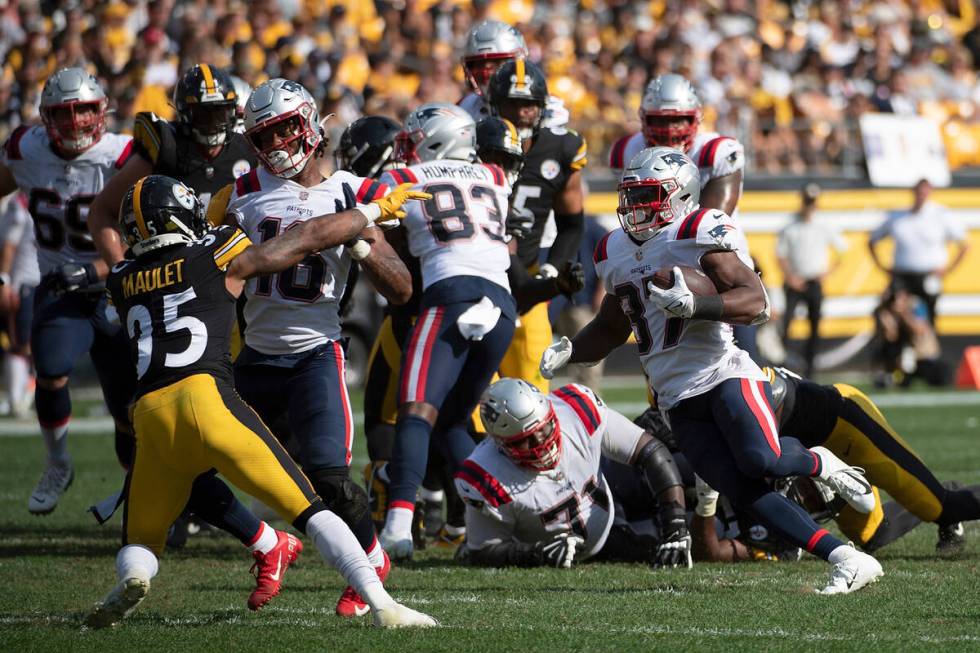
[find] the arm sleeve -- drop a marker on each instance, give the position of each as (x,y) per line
(154,140)
(229,243)
(619,436)
(571,228)
(528,291)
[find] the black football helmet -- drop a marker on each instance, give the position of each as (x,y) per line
(516,84)
(206,102)
(159,211)
(497,142)
(366,145)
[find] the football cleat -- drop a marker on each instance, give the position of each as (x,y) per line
(852,573)
(846,482)
(119,603)
(351,604)
(269,568)
(55,479)
(397,545)
(377,491)
(447,540)
(432,518)
(399,616)
(952,538)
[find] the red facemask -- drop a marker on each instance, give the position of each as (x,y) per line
(544,451)
(72,130)
(660,129)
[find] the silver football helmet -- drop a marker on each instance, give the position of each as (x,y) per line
(283,126)
(242,91)
(489,44)
(436,130)
(660,185)
(522,422)
(670,112)
(73,107)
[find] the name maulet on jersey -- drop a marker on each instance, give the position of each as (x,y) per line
(681,358)
(297,309)
(505,501)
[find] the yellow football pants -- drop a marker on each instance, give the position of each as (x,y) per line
(191,427)
(863,437)
(531,337)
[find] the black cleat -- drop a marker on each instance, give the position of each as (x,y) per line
(952,538)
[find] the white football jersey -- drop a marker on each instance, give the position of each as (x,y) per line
(460,231)
(15,227)
(555,112)
(59,191)
(681,358)
(715,155)
(507,502)
(297,309)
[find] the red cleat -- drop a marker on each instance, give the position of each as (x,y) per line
(269,568)
(351,604)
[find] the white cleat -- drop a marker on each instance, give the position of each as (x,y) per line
(55,479)
(117,605)
(398,545)
(400,616)
(852,573)
(846,482)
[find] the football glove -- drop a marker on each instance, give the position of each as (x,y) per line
(71,277)
(555,357)
(678,300)
(674,550)
(520,222)
(571,278)
(391,204)
(560,552)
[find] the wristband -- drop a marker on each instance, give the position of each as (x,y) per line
(708,307)
(359,249)
(371,212)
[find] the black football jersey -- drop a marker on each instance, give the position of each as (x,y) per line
(176,154)
(176,310)
(806,410)
(553,157)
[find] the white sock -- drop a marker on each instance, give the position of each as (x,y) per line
(17,371)
(266,540)
(435,496)
(841,553)
(136,561)
(338,546)
(56,441)
(399,520)
(375,554)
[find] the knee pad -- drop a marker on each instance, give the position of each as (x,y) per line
(340,494)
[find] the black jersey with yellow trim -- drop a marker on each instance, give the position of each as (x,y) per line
(176,309)
(555,154)
(806,410)
(175,153)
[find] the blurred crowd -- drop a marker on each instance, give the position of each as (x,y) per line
(789,78)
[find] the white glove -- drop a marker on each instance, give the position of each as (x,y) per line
(707,498)
(555,357)
(674,551)
(560,552)
(678,300)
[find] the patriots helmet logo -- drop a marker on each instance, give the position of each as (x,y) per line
(674,159)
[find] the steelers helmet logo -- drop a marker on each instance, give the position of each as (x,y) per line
(184,196)
(550,169)
(241,167)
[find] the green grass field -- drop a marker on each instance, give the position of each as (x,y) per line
(52,569)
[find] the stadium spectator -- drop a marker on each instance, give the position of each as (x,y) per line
(921,259)
(907,346)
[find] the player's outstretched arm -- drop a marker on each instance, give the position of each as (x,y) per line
(103,214)
(609,329)
(385,268)
(742,295)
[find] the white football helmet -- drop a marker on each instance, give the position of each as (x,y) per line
(283,126)
(522,421)
(660,185)
(489,44)
(73,107)
(668,98)
(242,91)
(437,130)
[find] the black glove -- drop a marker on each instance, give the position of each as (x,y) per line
(560,552)
(571,278)
(70,277)
(520,222)
(674,549)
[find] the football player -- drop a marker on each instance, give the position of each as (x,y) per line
(61,166)
(536,493)
(489,45)
(718,401)
(550,181)
(19,276)
(467,310)
(292,364)
(176,296)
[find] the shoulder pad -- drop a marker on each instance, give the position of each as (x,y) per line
(12,147)
(690,224)
(403,176)
(617,155)
(580,155)
(125,155)
(226,243)
(601,252)
(717,230)
(722,154)
(486,487)
(585,404)
(496,172)
(218,206)
(155,140)
(247,183)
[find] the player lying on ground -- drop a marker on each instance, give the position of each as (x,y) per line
(717,399)
(176,297)
(536,492)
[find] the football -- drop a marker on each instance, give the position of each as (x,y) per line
(697,281)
